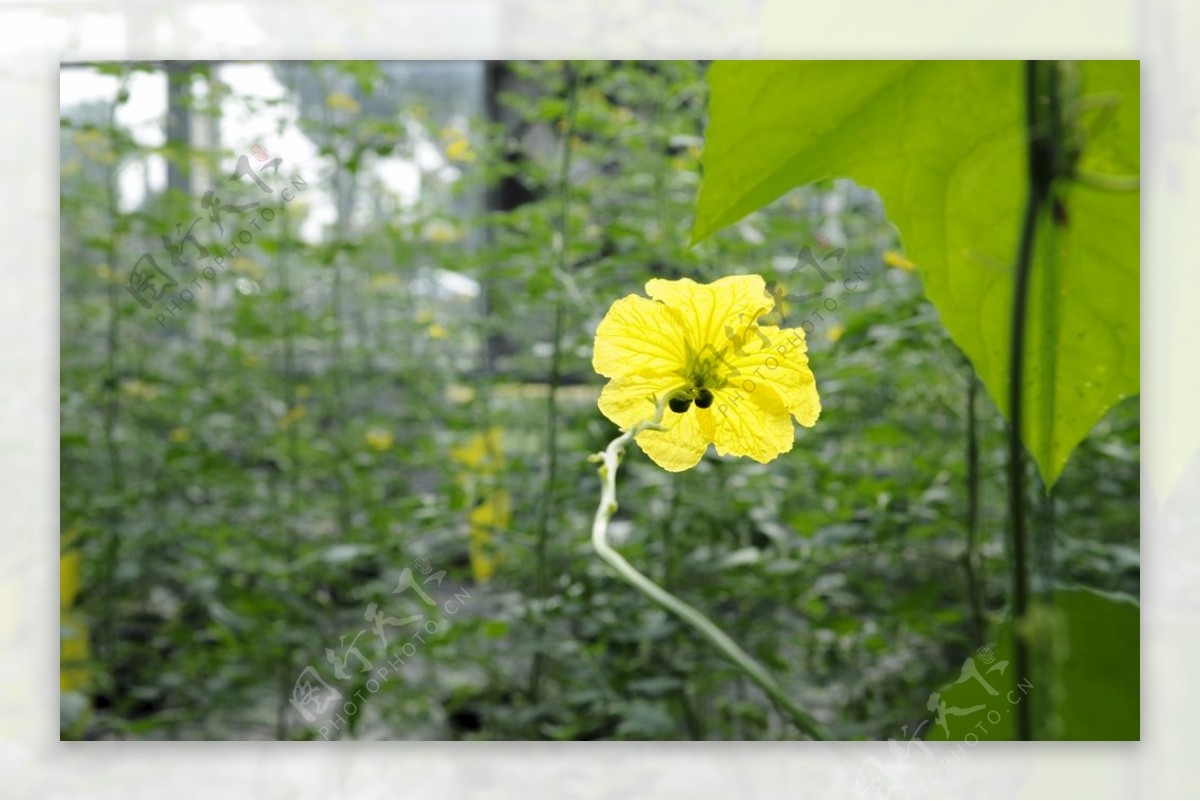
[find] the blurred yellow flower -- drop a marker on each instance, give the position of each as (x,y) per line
(480,459)
(482,452)
(104,271)
(834,334)
(424,316)
(436,331)
(458,148)
(701,344)
(138,389)
(384,279)
(73,636)
(344,102)
(440,232)
(179,435)
(251,360)
(460,393)
(893,258)
(379,439)
(68,571)
(303,391)
(295,415)
(491,515)
(95,145)
(248,267)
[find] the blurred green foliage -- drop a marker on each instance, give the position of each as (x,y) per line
(383,381)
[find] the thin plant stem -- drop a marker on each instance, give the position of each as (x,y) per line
(109,590)
(970,558)
(611,460)
(290,545)
(555,378)
(1041,166)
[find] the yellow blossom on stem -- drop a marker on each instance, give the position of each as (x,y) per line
(893,258)
(343,101)
(379,439)
(729,381)
(458,147)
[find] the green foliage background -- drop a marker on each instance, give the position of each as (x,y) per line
(243,481)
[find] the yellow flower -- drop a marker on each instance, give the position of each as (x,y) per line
(458,148)
(483,452)
(729,381)
(488,516)
(384,279)
(460,393)
(379,439)
(140,390)
(179,435)
(73,637)
(436,331)
(303,391)
(894,259)
(834,334)
(344,102)
(295,415)
(440,232)
(248,267)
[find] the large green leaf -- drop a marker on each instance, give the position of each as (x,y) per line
(1094,688)
(944,145)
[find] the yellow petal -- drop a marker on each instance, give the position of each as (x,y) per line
(683,442)
(777,359)
(628,402)
(715,311)
(754,424)
(894,259)
(68,583)
(343,101)
(639,337)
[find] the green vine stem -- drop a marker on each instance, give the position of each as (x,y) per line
(1043,117)
(611,460)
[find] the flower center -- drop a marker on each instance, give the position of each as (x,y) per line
(702,376)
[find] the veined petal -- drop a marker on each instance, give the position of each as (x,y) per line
(639,337)
(754,423)
(629,401)
(778,358)
(683,441)
(714,312)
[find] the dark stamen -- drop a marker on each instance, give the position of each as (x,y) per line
(704,398)
(680,405)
